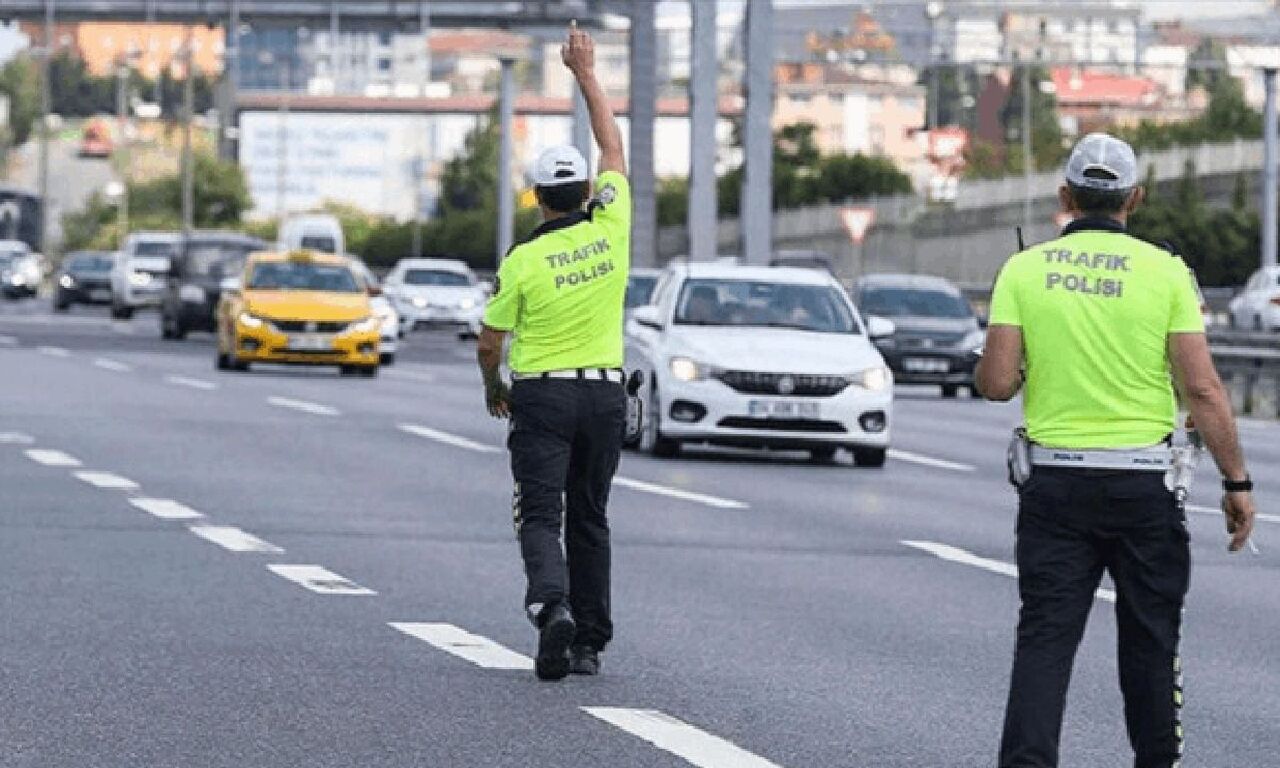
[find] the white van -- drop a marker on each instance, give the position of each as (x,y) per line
(313,231)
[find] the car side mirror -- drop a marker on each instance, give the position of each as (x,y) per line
(648,316)
(880,328)
(374,290)
(230,286)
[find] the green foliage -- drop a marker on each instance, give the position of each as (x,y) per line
(1227,117)
(221,198)
(956,92)
(20,82)
(802,176)
(470,179)
(1221,245)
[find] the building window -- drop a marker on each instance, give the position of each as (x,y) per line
(384,65)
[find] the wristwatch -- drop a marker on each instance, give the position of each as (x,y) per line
(1237,486)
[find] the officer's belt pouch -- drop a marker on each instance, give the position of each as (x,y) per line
(635,410)
(1018,458)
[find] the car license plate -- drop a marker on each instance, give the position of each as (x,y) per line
(100,295)
(311,342)
(782,409)
(925,365)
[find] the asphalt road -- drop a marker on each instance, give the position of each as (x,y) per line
(769,612)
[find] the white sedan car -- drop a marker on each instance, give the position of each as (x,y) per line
(769,357)
(1257,308)
(437,292)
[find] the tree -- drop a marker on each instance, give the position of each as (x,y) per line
(470,179)
(1207,65)
(20,82)
(956,94)
(1046,133)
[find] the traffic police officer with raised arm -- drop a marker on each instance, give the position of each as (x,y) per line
(560,294)
(1100,319)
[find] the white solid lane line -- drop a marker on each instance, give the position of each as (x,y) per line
(929,461)
(318,579)
(166,509)
(107,480)
(676,493)
(231,538)
(1200,510)
(964,557)
(478,650)
(54,351)
(112,365)
(8,341)
(183,381)
(16,438)
(305,406)
(694,745)
(447,438)
(52,458)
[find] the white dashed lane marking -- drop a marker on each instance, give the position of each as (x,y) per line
(8,341)
(233,539)
(52,458)
(929,461)
(305,406)
(166,509)
(107,480)
(1201,510)
(183,381)
(53,351)
(320,580)
(16,438)
(478,650)
(677,493)
(112,365)
(693,745)
(964,557)
(447,438)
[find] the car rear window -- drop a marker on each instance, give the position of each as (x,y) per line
(303,276)
(94,263)
(435,277)
(913,302)
(817,308)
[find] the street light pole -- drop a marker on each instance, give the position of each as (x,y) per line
(1269,178)
(122,149)
(188,110)
(1027,158)
(46,107)
(506,191)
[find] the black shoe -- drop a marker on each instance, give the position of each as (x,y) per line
(584,660)
(553,643)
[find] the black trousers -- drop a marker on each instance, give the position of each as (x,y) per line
(565,442)
(1073,524)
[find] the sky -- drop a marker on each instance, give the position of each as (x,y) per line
(1153,9)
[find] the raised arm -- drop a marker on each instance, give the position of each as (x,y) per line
(579,55)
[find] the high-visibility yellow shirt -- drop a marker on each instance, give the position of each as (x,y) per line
(562,291)
(1096,308)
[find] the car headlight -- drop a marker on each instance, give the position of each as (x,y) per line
(139,279)
(687,369)
(249,321)
(365,325)
(467,303)
(17,278)
(419,302)
(875,379)
(67,281)
(192,294)
(974,339)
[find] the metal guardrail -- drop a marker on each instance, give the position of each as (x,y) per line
(1249,364)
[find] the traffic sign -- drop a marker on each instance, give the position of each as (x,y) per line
(857,221)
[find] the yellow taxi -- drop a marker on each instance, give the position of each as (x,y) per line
(298,308)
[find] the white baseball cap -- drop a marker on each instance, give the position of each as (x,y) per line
(559,165)
(1102,162)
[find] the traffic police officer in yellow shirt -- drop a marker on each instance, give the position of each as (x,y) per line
(1100,320)
(560,294)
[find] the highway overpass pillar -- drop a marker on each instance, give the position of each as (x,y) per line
(704,70)
(757,187)
(644,219)
(1269,191)
(506,191)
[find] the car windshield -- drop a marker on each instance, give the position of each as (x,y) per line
(322,243)
(819,308)
(90,263)
(215,259)
(302,276)
(640,290)
(6,259)
(914,302)
(154,248)
(435,277)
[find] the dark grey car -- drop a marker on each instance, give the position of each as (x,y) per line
(194,282)
(937,333)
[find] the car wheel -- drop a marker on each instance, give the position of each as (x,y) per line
(387,358)
(347,370)
(61,305)
(166,329)
(223,362)
(121,313)
(823,454)
(869,457)
(1257,323)
(368,371)
(651,439)
(950,390)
